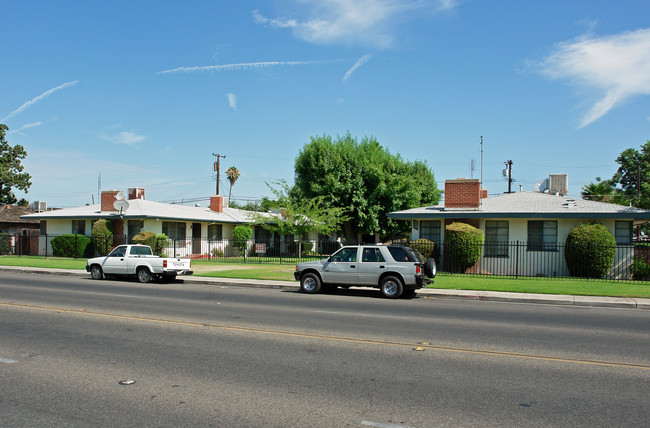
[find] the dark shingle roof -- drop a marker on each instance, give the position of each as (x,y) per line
(12,214)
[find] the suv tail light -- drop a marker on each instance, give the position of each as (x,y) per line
(164,263)
(418,269)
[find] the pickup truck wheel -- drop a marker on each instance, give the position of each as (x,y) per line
(310,283)
(391,287)
(96,272)
(144,275)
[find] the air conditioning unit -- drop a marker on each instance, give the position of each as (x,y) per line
(39,206)
(558,183)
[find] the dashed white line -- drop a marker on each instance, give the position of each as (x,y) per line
(8,361)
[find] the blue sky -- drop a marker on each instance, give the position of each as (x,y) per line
(145,92)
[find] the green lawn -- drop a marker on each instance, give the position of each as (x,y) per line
(443,281)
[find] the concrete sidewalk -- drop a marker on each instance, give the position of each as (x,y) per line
(494,296)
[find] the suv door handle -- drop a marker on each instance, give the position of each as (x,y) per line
(382,267)
(352,266)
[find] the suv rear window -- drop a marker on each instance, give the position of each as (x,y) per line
(402,254)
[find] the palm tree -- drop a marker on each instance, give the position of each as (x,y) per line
(601,191)
(232,174)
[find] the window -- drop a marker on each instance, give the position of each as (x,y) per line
(372,255)
(79,227)
(542,235)
(135,227)
(496,238)
(262,235)
(43,227)
(624,232)
(215,232)
(345,255)
(173,229)
(430,229)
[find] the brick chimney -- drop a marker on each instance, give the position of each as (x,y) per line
(136,193)
(108,198)
(463,193)
(216,203)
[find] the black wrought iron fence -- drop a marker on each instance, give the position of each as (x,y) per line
(513,259)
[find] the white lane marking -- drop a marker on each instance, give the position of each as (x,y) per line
(8,361)
(380,425)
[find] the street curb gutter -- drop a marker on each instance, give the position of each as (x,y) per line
(492,296)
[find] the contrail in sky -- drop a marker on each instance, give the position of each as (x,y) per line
(245,66)
(37,99)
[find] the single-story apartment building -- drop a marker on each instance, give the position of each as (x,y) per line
(194,230)
(522,227)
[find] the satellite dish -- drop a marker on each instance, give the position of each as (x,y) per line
(119,195)
(121,205)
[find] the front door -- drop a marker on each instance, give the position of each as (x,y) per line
(342,267)
(196,238)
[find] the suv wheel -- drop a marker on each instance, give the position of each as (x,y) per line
(310,283)
(391,287)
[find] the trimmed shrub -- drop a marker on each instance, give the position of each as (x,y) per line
(463,246)
(102,234)
(5,244)
(157,242)
(640,269)
(427,248)
(217,252)
(589,251)
(70,245)
(240,236)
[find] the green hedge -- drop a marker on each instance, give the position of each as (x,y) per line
(463,247)
(102,233)
(5,243)
(157,242)
(589,251)
(70,245)
(427,248)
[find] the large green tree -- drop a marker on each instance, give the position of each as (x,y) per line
(297,215)
(633,176)
(11,175)
(365,180)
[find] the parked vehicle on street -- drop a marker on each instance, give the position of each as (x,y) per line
(139,261)
(396,270)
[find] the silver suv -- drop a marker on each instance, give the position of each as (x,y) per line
(395,270)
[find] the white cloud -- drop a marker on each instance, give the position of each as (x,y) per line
(232,101)
(22,128)
(352,22)
(244,66)
(125,137)
(617,67)
(34,100)
(361,61)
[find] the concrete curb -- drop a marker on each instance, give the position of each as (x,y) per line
(493,296)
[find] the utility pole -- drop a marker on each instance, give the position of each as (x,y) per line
(508,171)
(217,169)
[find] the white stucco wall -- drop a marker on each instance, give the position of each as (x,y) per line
(523,262)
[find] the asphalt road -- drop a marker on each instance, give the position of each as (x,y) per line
(215,356)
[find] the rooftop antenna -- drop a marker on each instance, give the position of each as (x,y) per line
(472,167)
(481,185)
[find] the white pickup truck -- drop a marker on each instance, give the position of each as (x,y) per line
(139,261)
